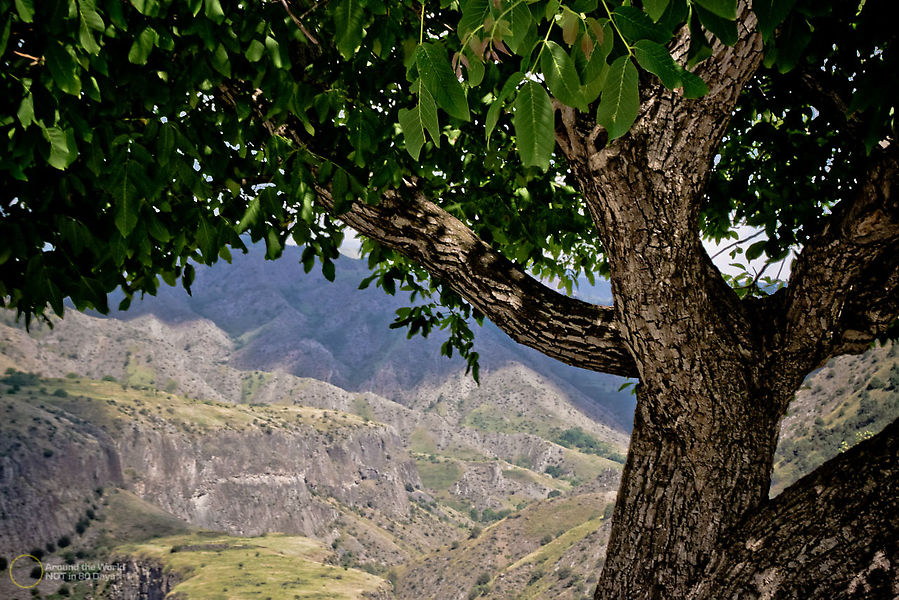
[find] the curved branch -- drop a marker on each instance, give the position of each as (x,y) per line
(844,289)
(567,329)
(834,533)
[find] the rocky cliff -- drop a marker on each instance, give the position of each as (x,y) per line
(244,470)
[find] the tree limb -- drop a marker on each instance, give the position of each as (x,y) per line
(844,289)
(570,330)
(833,534)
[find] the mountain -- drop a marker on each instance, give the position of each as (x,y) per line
(220,413)
(272,423)
(284,320)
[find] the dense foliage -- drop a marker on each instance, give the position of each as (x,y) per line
(141,137)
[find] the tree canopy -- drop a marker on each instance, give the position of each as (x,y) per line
(480,147)
(144,135)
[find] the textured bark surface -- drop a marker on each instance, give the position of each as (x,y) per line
(834,534)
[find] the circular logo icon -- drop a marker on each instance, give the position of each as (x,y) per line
(26,557)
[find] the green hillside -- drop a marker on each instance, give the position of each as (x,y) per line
(278,567)
(851,398)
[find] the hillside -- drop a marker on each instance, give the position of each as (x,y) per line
(284,320)
(851,398)
(377,498)
(255,415)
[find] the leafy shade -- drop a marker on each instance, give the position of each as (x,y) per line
(142,137)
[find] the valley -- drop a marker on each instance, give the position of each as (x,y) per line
(249,441)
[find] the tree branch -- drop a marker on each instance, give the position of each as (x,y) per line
(835,533)
(844,289)
(570,330)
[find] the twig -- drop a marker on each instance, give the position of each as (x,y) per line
(299,23)
(23,55)
(746,239)
(312,8)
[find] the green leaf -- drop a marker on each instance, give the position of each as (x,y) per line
(570,24)
(127,202)
(25,113)
(771,13)
(92,89)
(694,86)
(328,270)
(64,68)
(620,101)
(534,125)
(348,16)
(473,14)
(158,231)
(250,216)
(25,8)
(437,75)
(655,8)
(55,297)
(584,6)
(86,39)
(724,29)
(4,35)
(414,122)
(340,191)
(273,246)
(636,25)
(213,11)
(165,143)
(656,59)
(497,106)
(255,51)
(755,250)
(142,46)
(63,150)
(220,62)
(88,11)
(274,51)
(726,9)
(476,72)
(561,75)
(148,8)
(522,25)
(795,36)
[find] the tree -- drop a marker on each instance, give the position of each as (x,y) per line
(482,151)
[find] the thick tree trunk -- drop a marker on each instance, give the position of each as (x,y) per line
(689,479)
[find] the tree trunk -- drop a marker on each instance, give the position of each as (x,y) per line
(689,479)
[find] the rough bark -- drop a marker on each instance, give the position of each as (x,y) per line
(834,534)
(844,289)
(705,429)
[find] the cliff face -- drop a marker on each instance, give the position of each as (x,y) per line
(249,483)
(51,465)
(244,470)
(142,580)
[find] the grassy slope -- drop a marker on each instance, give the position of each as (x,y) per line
(520,556)
(219,567)
(849,399)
